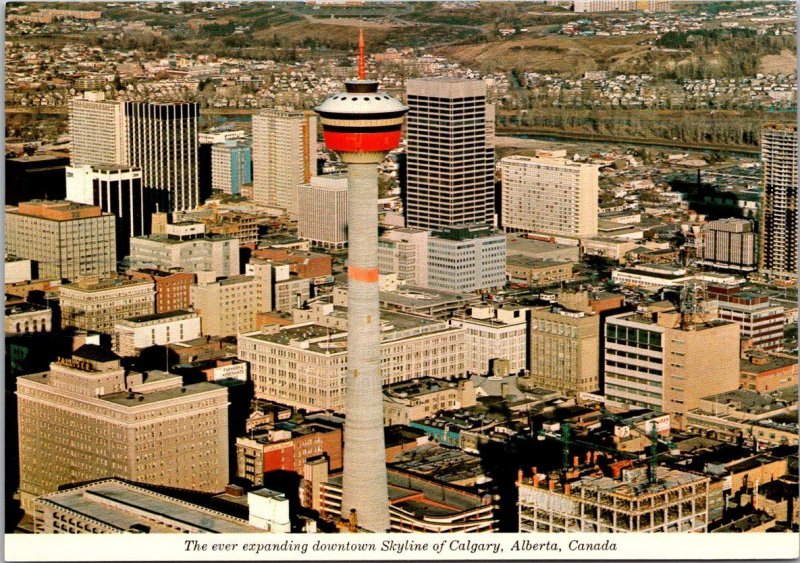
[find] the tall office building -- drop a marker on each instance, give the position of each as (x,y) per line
(450,161)
(322,211)
(727,244)
(86,418)
(163,141)
(97,305)
(549,195)
(66,239)
(779,201)
(97,128)
(564,348)
(284,156)
(231,166)
(115,189)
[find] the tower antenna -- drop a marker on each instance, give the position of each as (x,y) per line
(362,72)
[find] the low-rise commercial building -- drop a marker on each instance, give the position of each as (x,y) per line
(532,272)
(188,247)
(757,419)
(420,398)
(419,504)
(133,335)
(173,289)
(762,372)
(97,305)
(113,506)
(24,318)
(287,447)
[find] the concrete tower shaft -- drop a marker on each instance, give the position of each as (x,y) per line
(362,125)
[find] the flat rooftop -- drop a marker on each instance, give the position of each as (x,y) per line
(772,362)
(123,506)
(158,316)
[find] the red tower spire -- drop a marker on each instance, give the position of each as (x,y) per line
(361,66)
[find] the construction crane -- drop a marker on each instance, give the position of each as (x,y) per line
(653,436)
(565,437)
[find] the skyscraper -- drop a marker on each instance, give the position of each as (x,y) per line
(779,201)
(362,125)
(284,156)
(97,128)
(115,189)
(450,162)
(162,141)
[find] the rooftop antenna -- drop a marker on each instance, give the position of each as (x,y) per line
(362,72)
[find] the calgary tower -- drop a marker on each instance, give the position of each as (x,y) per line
(362,125)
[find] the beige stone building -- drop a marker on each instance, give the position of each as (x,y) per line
(24,317)
(521,269)
(420,398)
(228,306)
(549,195)
(66,239)
(93,304)
(564,349)
(87,419)
(284,156)
(664,361)
(494,333)
(304,365)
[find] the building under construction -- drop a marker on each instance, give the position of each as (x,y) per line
(628,501)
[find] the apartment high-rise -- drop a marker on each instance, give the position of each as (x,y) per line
(115,189)
(284,156)
(665,361)
(66,239)
(163,141)
(231,166)
(98,131)
(549,195)
(727,244)
(450,160)
(322,211)
(86,418)
(779,201)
